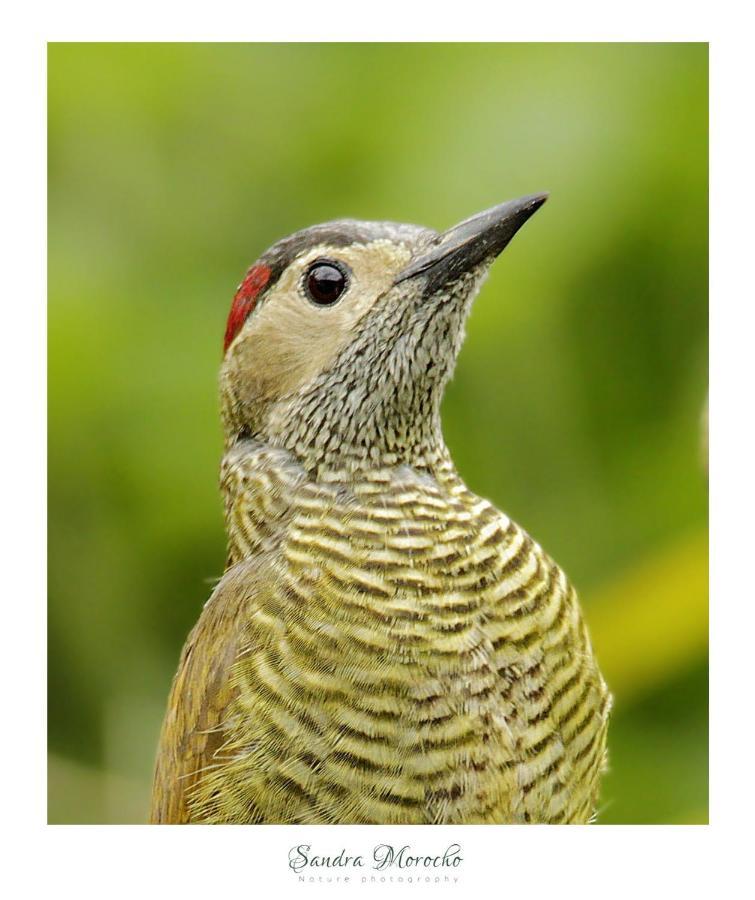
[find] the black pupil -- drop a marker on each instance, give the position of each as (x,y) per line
(325,283)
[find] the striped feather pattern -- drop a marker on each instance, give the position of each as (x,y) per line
(410,656)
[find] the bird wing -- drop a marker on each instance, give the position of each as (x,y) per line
(192,735)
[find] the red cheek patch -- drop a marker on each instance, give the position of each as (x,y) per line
(244,300)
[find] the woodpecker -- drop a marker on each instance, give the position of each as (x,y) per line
(384,645)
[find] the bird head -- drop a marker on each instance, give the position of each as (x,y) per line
(342,336)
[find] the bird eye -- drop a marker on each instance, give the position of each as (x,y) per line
(325,282)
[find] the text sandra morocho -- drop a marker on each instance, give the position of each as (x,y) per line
(384,856)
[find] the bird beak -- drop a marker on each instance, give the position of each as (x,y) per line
(474,241)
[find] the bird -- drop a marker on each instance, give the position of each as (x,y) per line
(384,646)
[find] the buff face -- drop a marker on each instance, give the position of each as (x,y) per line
(289,337)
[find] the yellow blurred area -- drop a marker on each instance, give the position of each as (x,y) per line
(651,623)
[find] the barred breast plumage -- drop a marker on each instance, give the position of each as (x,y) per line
(414,658)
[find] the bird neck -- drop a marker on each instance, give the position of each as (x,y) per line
(379,404)
(326,444)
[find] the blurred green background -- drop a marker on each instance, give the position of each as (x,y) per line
(173,166)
